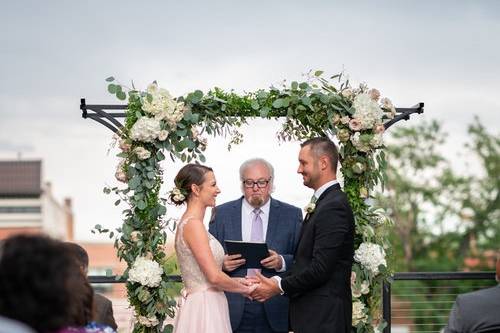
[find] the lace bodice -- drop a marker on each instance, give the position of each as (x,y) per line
(192,275)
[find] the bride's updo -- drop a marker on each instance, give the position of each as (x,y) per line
(188,175)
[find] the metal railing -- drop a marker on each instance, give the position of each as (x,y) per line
(425,306)
(424,299)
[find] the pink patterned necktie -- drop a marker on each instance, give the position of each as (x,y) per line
(257,235)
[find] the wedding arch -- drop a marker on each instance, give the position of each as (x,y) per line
(157,124)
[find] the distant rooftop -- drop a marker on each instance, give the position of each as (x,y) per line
(20,178)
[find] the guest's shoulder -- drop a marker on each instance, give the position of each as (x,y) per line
(478,295)
(98,298)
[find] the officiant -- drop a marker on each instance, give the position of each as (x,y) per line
(257,217)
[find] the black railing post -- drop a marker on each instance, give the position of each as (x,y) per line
(386,305)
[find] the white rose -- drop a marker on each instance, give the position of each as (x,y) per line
(142,154)
(363,192)
(135,235)
(124,145)
(345,120)
(120,174)
(162,135)
(146,272)
(377,140)
(361,142)
(358,313)
(145,129)
(343,135)
(148,321)
(347,93)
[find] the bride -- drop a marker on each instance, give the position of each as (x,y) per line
(200,257)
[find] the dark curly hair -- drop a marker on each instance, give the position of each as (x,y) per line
(188,175)
(42,285)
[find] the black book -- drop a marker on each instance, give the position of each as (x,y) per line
(252,252)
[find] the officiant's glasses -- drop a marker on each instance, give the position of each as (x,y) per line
(261,183)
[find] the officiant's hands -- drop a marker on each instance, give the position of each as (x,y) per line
(231,262)
(266,288)
(273,261)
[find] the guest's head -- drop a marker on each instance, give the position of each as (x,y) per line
(318,159)
(257,177)
(196,183)
(42,285)
(79,254)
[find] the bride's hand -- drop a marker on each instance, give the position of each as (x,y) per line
(249,290)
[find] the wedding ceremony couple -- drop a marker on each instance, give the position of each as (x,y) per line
(304,283)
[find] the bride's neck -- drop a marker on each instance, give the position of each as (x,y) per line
(195,209)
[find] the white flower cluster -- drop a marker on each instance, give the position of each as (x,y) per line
(371,256)
(146,272)
(380,217)
(163,106)
(142,153)
(358,313)
(160,102)
(367,111)
(145,129)
(177,195)
(148,321)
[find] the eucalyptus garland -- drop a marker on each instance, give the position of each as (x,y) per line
(157,124)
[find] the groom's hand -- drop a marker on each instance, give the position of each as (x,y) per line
(266,289)
(273,261)
(231,262)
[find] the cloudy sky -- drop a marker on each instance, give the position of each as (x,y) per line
(443,53)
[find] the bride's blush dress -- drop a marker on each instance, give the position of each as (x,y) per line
(204,309)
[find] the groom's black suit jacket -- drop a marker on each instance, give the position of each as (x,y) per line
(319,284)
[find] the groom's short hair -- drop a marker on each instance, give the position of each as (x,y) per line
(324,146)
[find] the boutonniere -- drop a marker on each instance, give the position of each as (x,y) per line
(309,209)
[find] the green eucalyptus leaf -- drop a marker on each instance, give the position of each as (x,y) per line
(121,95)
(278,103)
(110,79)
(112,88)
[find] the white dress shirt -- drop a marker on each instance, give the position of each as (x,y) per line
(247,216)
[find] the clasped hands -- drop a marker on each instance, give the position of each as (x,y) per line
(260,288)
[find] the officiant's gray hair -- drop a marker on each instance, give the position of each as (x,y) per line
(254,161)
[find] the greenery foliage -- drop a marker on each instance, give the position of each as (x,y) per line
(158,124)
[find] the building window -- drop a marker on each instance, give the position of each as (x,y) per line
(19,209)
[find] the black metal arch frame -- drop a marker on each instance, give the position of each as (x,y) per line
(98,112)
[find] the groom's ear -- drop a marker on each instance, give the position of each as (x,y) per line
(323,162)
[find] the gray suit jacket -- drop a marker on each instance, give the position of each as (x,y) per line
(283,231)
(475,312)
(103,311)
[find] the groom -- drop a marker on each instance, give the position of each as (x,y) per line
(319,283)
(276,223)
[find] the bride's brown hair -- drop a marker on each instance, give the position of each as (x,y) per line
(188,175)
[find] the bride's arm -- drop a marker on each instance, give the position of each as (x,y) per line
(196,238)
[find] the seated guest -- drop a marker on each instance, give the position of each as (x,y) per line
(478,311)
(103,308)
(42,286)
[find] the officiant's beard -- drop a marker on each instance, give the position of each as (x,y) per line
(256,201)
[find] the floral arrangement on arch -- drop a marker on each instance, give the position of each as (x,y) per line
(157,124)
